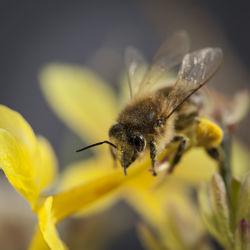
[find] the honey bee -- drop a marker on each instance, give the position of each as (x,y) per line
(161,114)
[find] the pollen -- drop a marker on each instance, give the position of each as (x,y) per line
(209,134)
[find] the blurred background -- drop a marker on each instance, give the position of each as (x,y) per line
(96,33)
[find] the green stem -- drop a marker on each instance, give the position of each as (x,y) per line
(225,165)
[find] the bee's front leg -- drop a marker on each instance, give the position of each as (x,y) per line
(152,148)
(180,150)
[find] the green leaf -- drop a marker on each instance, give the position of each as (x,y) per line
(207,214)
(221,209)
(243,204)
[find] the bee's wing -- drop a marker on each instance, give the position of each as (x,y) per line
(168,56)
(136,68)
(196,69)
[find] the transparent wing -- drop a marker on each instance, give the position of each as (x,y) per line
(196,69)
(136,68)
(168,56)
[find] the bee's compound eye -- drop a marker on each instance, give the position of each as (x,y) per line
(139,142)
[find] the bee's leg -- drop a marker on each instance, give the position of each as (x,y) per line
(214,153)
(153,156)
(218,155)
(180,150)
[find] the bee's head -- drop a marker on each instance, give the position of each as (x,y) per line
(129,144)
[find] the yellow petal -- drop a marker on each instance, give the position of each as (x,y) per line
(47,225)
(147,205)
(16,164)
(104,185)
(83,196)
(81,172)
(16,125)
(195,166)
(29,163)
(155,206)
(46,164)
(81,99)
(151,202)
(38,242)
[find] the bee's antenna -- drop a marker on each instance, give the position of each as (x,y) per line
(97,144)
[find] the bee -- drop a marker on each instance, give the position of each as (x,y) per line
(160,114)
